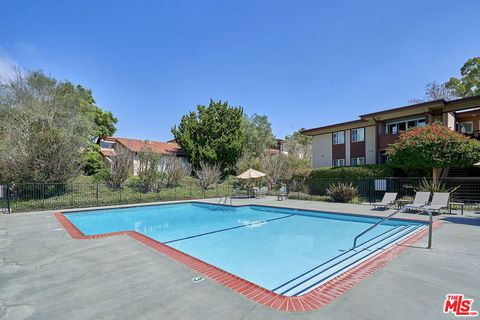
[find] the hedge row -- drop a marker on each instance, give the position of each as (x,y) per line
(353,172)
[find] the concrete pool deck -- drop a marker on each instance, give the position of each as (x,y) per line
(45,274)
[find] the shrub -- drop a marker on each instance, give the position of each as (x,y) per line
(119,168)
(432,147)
(208,175)
(299,185)
(342,192)
(174,171)
(353,172)
(432,185)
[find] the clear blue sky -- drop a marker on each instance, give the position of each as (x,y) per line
(302,63)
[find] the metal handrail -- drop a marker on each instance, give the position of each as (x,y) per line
(429,246)
(225,200)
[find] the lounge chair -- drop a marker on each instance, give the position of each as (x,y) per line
(388,199)
(420,201)
(439,201)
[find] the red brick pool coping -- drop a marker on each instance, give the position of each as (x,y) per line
(312,300)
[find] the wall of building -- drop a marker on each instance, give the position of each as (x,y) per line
(347,147)
(322,150)
(370,145)
(449,120)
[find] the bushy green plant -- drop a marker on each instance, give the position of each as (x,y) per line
(353,172)
(342,192)
(92,160)
(433,146)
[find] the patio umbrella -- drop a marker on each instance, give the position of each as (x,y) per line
(251,174)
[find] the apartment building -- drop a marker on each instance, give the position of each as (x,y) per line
(363,141)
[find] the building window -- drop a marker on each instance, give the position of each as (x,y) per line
(465,127)
(106,144)
(358,135)
(396,127)
(357,161)
(339,137)
(338,162)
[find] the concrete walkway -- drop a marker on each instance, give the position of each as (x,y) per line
(45,274)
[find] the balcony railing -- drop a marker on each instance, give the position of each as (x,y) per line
(386,139)
(475,134)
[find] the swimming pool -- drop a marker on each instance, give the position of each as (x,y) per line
(286,251)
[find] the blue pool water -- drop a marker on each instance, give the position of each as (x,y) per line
(284,250)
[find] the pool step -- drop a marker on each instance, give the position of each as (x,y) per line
(329,269)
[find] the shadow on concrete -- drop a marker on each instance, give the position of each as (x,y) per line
(471,221)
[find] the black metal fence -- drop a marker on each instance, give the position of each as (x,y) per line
(51,196)
(47,196)
(465,190)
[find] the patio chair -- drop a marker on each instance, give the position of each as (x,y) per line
(420,201)
(388,199)
(256,192)
(282,194)
(237,192)
(439,201)
(263,191)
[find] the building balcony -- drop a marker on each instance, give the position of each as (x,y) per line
(474,135)
(384,140)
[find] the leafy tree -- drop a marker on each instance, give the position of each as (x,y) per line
(258,133)
(44,125)
(431,147)
(277,167)
(469,83)
(213,135)
(104,121)
(435,91)
(92,160)
(247,161)
(299,145)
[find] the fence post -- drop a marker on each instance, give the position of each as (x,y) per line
(96,196)
(8,198)
(43,196)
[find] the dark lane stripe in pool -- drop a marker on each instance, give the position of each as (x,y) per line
(231,228)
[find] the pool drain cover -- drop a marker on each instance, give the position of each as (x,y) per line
(197,279)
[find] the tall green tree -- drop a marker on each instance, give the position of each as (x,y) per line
(44,126)
(469,83)
(258,133)
(212,135)
(104,121)
(299,145)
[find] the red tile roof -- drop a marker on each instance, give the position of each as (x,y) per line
(136,145)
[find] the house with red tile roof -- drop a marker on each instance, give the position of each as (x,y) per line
(110,145)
